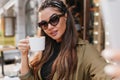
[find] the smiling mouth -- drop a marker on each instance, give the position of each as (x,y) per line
(54,33)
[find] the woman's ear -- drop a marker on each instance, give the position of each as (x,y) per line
(66,15)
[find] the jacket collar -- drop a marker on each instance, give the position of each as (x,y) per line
(82,42)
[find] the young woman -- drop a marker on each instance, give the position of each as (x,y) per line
(66,57)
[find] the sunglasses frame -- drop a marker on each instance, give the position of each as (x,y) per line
(44,24)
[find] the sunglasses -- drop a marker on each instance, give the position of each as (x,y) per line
(54,20)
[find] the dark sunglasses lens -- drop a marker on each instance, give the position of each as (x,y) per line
(54,19)
(43,24)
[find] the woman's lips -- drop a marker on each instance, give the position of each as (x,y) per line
(54,33)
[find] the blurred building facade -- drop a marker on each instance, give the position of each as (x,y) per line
(24,13)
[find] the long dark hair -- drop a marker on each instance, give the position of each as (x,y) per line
(66,62)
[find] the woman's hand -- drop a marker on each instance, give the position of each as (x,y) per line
(113,69)
(23,46)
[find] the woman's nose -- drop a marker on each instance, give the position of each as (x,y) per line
(50,26)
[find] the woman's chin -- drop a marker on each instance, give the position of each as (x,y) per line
(57,39)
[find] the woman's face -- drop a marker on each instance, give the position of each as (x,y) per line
(56,23)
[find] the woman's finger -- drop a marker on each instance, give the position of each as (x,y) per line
(23,45)
(24,41)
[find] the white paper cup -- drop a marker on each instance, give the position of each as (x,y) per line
(37,43)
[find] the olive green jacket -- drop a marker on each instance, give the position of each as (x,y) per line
(90,65)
